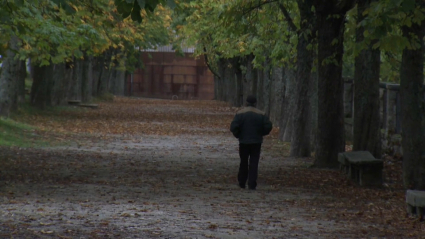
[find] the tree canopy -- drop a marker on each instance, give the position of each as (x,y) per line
(54,31)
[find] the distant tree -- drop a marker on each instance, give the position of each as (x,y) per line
(366,123)
(412,93)
(330,28)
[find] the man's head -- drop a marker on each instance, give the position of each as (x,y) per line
(251,100)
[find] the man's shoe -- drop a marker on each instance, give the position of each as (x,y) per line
(251,188)
(241,186)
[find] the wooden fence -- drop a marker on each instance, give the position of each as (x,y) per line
(390,113)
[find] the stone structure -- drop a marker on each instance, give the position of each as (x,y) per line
(362,167)
(390,115)
(415,201)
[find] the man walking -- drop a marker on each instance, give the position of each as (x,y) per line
(249,126)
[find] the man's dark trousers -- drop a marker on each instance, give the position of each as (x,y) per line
(249,153)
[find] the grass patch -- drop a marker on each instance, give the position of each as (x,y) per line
(28,83)
(13,133)
(26,109)
(18,131)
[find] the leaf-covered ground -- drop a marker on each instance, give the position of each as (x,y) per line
(143,168)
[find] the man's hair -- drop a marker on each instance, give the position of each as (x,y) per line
(251,100)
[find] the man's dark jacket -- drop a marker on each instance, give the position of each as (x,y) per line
(250,125)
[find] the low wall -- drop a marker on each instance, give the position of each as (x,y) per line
(390,115)
(390,143)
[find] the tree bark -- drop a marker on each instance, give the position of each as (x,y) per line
(330,137)
(219,81)
(229,82)
(103,85)
(8,81)
(21,76)
(98,67)
(60,86)
(249,80)
(288,105)
(238,94)
(75,90)
(277,94)
(260,88)
(41,91)
(300,141)
(313,109)
(413,112)
(117,82)
(87,79)
(366,129)
(105,73)
(266,93)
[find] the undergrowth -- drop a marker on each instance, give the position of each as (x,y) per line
(13,133)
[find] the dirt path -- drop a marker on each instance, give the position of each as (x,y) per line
(176,184)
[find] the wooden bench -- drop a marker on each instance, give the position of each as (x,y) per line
(416,203)
(362,167)
(93,106)
(74,102)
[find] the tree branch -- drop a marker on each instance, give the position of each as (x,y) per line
(257,6)
(208,64)
(288,17)
(345,5)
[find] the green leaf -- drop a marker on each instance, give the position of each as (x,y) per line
(150,5)
(135,14)
(171,4)
(141,3)
(408,5)
(21,28)
(381,31)
(124,8)
(65,6)
(5,17)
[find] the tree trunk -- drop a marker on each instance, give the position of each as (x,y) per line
(219,81)
(313,109)
(366,129)
(300,141)
(105,73)
(254,86)
(98,68)
(286,127)
(260,88)
(21,76)
(8,81)
(238,94)
(105,76)
(87,79)
(266,87)
(277,94)
(249,88)
(230,82)
(330,137)
(283,105)
(117,82)
(413,109)
(41,91)
(75,90)
(60,86)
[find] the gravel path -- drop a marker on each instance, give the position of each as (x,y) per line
(167,186)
